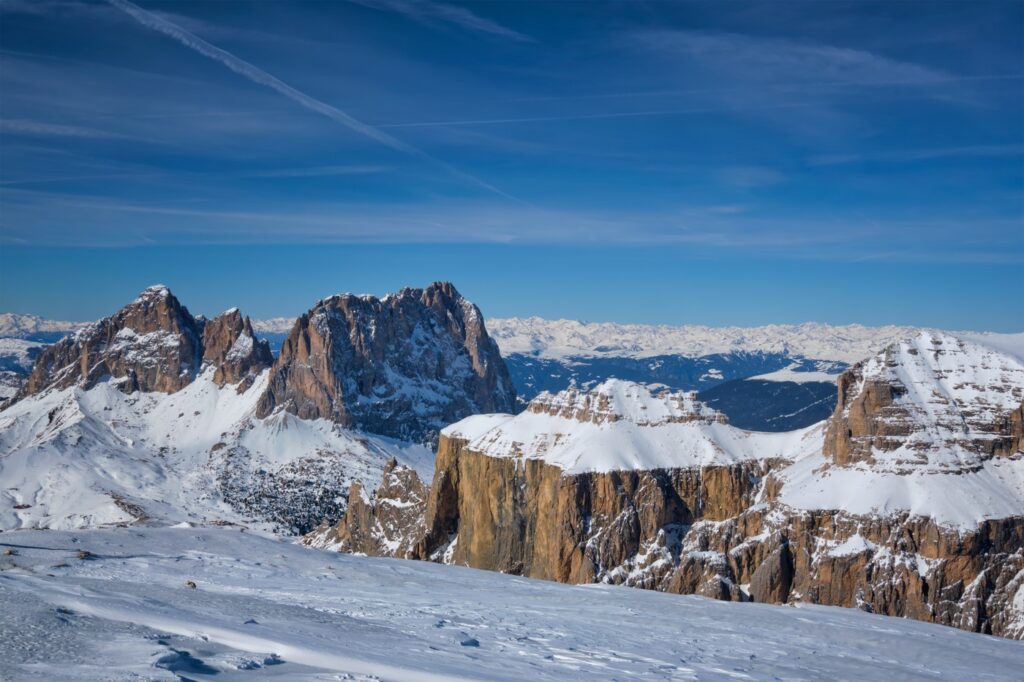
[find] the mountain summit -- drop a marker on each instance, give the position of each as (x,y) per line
(152,344)
(405,365)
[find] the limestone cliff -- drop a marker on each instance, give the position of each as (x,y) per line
(627,486)
(403,366)
(389,524)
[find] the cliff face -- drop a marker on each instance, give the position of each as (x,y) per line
(920,400)
(713,531)
(402,366)
(576,489)
(152,344)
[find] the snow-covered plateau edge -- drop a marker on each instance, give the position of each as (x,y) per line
(115,604)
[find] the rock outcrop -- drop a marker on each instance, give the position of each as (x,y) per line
(389,524)
(152,344)
(230,345)
(906,502)
(403,366)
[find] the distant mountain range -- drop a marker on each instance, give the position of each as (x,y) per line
(795,365)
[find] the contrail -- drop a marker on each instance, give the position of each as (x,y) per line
(261,77)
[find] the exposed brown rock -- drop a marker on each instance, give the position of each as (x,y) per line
(699,531)
(389,524)
(959,396)
(230,345)
(152,344)
(402,366)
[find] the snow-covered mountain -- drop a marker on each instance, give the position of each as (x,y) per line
(772,378)
(155,415)
(81,458)
(908,501)
(404,366)
(562,339)
(13,325)
(274,325)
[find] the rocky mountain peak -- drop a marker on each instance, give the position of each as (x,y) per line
(404,365)
(151,344)
(617,400)
(932,401)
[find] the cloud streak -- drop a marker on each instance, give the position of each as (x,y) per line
(426,11)
(911,155)
(261,77)
(24,127)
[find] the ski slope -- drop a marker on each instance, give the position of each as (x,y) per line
(267,608)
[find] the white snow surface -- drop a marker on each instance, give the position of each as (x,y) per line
(638,429)
(791,374)
(264,608)
(83,458)
(561,339)
(993,491)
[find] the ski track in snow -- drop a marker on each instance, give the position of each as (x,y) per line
(264,607)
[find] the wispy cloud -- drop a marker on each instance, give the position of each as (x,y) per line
(786,60)
(783,86)
(721,228)
(261,77)
(319,171)
(24,127)
(428,11)
(911,155)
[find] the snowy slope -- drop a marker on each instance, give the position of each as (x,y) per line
(560,339)
(263,608)
(621,425)
(74,458)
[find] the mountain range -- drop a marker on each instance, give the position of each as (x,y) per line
(393,427)
(773,378)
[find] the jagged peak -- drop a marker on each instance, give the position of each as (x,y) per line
(620,400)
(155,291)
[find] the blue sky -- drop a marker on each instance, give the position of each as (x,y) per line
(715,163)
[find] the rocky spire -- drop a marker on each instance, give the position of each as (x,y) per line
(152,344)
(230,345)
(405,365)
